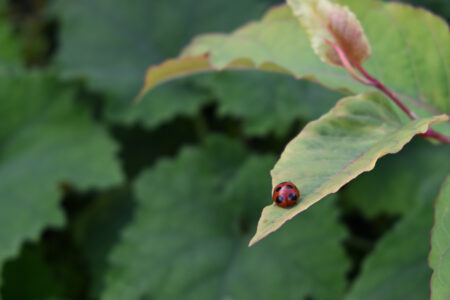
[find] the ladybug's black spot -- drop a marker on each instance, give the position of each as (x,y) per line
(292,196)
(280,199)
(278,189)
(289,186)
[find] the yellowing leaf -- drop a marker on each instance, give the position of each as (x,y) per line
(326,21)
(336,148)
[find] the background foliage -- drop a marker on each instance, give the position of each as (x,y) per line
(103,199)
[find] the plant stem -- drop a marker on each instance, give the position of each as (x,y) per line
(430,133)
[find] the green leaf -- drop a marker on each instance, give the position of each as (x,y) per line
(265,102)
(404,40)
(336,148)
(188,239)
(397,268)
(47,141)
(326,21)
(109,44)
(439,258)
(419,166)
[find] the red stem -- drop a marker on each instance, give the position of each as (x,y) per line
(430,133)
(385,90)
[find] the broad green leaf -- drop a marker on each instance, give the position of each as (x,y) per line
(188,239)
(439,258)
(397,268)
(47,141)
(109,44)
(404,180)
(404,40)
(264,102)
(336,148)
(325,21)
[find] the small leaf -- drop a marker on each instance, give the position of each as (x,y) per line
(326,21)
(439,258)
(188,238)
(336,148)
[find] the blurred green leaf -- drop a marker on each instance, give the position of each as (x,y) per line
(189,238)
(336,148)
(401,182)
(30,277)
(177,99)
(439,258)
(406,41)
(397,268)
(110,43)
(46,141)
(265,102)
(439,7)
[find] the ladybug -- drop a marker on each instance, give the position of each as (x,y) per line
(285,194)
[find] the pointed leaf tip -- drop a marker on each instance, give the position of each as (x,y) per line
(324,20)
(338,147)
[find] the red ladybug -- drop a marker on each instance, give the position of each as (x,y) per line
(285,194)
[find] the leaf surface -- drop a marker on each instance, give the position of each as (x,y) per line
(325,21)
(188,240)
(336,148)
(410,50)
(109,44)
(47,141)
(439,258)
(266,102)
(397,268)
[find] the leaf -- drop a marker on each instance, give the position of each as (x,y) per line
(336,148)
(109,44)
(188,239)
(439,258)
(419,167)
(404,40)
(264,102)
(397,268)
(439,7)
(46,141)
(175,99)
(326,21)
